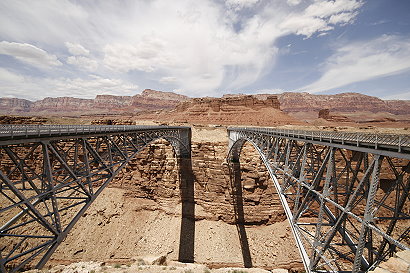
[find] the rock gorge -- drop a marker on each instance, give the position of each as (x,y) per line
(140,213)
(159,100)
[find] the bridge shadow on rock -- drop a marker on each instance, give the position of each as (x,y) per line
(236,185)
(187,234)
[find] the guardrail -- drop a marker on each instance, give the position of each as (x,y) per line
(397,142)
(27,131)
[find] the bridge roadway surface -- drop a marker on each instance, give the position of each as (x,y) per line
(328,183)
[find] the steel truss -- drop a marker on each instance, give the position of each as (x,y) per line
(50,175)
(346,196)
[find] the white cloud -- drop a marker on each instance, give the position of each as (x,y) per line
(325,9)
(34,88)
(240,4)
(47,22)
(398,96)
(9,77)
(168,80)
(321,16)
(147,55)
(294,2)
(342,18)
(361,61)
(92,85)
(77,49)
(83,62)
(204,46)
(29,54)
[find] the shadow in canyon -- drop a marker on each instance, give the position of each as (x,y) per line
(236,185)
(187,234)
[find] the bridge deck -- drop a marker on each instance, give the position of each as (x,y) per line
(25,132)
(355,141)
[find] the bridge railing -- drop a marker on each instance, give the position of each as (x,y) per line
(8,131)
(395,142)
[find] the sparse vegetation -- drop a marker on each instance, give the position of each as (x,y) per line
(206,270)
(117,266)
(140,262)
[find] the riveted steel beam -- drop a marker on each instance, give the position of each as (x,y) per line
(344,193)
(47,170)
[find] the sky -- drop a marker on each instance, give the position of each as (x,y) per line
(55,48)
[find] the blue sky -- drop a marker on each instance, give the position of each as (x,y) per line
(54,48)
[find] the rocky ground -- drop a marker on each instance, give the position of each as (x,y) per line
(148,265)
(140,213)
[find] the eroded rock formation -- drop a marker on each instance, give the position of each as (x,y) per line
(325,114)
(140,213)
(22,120)
(147,100)
(244,110)
(225,103)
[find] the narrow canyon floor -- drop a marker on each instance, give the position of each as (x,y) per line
(139,214)
(120,229)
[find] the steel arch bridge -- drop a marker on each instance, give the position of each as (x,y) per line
(50,175)
(346,195)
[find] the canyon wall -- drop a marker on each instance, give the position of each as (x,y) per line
(147,100)
(343,102)
(243,110)
(140,213)
(223,104)
(158,100)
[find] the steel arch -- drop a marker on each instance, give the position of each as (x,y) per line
(331,192)
(50,175)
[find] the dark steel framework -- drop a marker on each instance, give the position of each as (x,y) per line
(50,175)
(346,195)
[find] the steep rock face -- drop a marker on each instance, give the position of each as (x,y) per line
(15,105)
(345,102)
(398,106)
(245,110)
(160,95)
(224,103)
(61,104)
(148,100)
(140,212)
(111,101)
(325,114)
(157,100)
(154,175)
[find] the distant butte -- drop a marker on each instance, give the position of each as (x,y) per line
(258,109)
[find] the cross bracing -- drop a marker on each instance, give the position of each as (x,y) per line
(50,175)
(346,195)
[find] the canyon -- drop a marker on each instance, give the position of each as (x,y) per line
(350,109)
(140,212)
(147,100)
(158,100)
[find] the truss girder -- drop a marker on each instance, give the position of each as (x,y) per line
(50,175)
(346,196)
